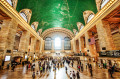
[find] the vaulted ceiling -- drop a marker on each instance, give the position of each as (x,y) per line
(57,13)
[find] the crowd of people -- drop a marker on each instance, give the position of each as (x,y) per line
(50,63)
(46,65)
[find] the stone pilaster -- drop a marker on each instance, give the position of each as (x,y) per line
(52,45)
(79,44)
(7,35)
(104,35)
(41,46)
(62,45)
(109,39)
(87,44)
(33,45)
(71,45)
(74,45)
(24,41)
(91,49)
(7,38)
(38,46)
(82,44)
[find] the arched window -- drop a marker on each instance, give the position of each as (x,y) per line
(76,33)
(82,26)
(38,33)
(33,26)
(48,43)
(23,15)
(103,3)
(90,17)
(57,43)
(67,44)
(10,2)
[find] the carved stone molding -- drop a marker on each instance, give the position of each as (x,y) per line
(57,29)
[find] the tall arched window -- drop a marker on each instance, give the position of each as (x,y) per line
(103,3)
(33,26)
(23,15)
(10,2)
(57,43)
(67,44)
(82,26)
(48,43)
(76,33)
(38,33)
(90,17)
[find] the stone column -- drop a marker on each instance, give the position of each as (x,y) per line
(53,46)
(71,45)
(7,34)
(82,45)
(93,46)
(24,41)
(87,44)
(74,45)
(33,45)
(7,37)
(104,35)
(37,46)
(91,49)
(41,46)
(79,44)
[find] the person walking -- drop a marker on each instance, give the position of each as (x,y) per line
(66,69)
(8,66)
(27,66)
(72,64)
(33,75)
(90,68)
(71,75)
(74,75)
(78,75)
(86,66)
(111,70)
(82,68)
(41,69)
(79,68)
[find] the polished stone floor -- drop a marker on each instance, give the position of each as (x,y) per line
(21,73)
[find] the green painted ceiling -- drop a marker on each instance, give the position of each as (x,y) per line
(57,13)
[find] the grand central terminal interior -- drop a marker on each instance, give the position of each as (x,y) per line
(59,39)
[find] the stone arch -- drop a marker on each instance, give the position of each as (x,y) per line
(86,15)
(58,29)
(27,13)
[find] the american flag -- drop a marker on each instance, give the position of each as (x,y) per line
(92,41)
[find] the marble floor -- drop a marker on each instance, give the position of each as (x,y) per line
(21,73)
